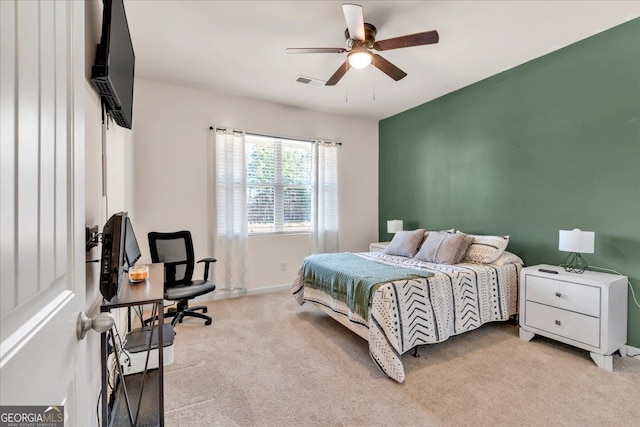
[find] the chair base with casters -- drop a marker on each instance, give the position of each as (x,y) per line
(184,310)
(175,250)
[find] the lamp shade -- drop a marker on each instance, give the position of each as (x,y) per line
(394,225)
(577,240)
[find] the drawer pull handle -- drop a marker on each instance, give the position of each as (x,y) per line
(558,322)
(558,294)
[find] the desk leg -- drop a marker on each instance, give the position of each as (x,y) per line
(161,362)
(146,363)
(123,384)
(103,364)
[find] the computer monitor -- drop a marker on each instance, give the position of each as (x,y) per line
(131,248)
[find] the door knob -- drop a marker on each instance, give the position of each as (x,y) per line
(101,323)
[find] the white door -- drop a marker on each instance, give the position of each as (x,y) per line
(42,272)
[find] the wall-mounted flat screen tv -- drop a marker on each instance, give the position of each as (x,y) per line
(113,71)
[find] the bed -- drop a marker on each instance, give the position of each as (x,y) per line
(429,304)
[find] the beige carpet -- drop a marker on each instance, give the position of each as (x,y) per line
(266,361)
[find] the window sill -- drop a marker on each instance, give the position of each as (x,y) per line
(280,233)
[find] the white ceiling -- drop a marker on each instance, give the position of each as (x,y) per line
(238,47)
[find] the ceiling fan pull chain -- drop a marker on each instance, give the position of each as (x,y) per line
(346,92)
(373,73)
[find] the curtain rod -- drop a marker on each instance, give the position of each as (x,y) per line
(281,137)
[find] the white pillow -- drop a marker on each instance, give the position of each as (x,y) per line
(508,258)
(451,230)
(486,249)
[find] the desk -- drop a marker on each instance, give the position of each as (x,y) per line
(151,291)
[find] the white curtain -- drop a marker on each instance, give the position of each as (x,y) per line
(230,235)
(324,199)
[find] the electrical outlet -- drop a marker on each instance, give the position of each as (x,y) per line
(283,266)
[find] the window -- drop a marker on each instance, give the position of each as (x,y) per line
(279,180)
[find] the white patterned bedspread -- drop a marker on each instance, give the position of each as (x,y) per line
(408,313)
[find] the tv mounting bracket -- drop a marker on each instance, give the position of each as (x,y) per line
(92,237)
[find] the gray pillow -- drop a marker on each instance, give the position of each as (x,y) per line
(462,251)
(443,248)
(405,243)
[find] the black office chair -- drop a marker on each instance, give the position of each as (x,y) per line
(175,250)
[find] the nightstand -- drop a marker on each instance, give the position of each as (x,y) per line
(587,310)
(378,246)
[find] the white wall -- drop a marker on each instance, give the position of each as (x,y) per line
(119,182)
(172,140)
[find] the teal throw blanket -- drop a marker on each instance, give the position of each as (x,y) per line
(352,279)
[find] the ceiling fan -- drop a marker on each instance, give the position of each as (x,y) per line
(361,37)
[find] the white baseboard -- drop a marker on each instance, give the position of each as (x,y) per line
(236,293)
(632,351)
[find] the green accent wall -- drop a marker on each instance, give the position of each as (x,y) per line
(551,144)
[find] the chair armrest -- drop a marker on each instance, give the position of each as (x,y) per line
(207,262)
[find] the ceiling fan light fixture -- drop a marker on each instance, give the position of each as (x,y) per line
(360,59)
(361,40)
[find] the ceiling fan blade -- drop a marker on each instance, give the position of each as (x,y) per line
(340,72)
(355,20)
(388,68)
(418,39)
(316,50)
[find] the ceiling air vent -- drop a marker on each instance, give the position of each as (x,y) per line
(310,81)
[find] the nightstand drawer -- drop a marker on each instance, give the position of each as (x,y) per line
(577,327)
(566,295)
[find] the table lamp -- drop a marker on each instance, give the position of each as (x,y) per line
(394,225)
(576,242)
